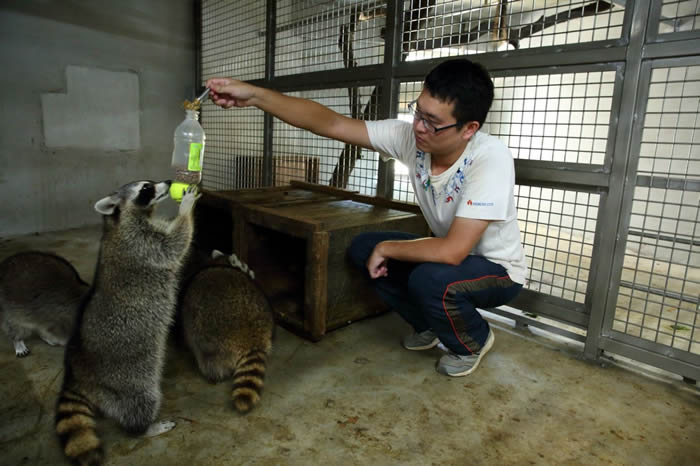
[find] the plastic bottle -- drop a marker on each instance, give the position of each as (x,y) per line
(188,154)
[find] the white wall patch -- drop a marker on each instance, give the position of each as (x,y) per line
(100,110)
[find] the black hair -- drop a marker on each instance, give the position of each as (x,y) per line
(465,83)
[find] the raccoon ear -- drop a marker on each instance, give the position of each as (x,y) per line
(106,205)
(215,254)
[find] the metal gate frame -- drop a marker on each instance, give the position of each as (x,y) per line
(633,56)
(644,54)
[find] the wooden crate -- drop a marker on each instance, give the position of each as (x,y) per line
(295,239)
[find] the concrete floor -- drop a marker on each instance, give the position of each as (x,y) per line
(357,397)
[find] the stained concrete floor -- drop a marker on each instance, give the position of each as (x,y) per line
(356,397)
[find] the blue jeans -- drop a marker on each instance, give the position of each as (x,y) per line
(440,297)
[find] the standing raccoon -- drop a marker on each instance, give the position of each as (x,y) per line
(39,293)
(227,323)
(115,357)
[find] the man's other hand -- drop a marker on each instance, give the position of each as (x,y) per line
(377,263)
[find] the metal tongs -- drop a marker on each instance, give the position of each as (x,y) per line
(203,96)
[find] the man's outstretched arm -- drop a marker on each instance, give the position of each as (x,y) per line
(298,112)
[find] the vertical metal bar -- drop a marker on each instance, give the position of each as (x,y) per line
(654,21)
(389,97)
(270,39)
(602,246)
(627,23)
(616,206)
(197,24)
(197,21)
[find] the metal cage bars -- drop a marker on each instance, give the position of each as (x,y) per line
(599,268)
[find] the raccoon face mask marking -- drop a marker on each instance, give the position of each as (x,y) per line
(142,194)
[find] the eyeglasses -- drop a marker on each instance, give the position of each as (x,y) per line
(418,115)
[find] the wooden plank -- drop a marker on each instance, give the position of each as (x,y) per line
(342,214)
(353,195)
(338,192)
(315,287)
(260,195)
(235,195)
(319,198)
(240,233)
(290,196)
(280,221)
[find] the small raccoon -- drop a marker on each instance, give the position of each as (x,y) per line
(114,359)
(227,323)
(39,293)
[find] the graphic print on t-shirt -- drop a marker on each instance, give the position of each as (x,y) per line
(447,191)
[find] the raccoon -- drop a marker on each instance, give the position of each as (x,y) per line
(114,359)
(39,293)
(227,323)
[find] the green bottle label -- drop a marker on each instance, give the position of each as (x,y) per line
(194,163)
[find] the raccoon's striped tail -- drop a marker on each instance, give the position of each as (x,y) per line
(75,426)
(248,381)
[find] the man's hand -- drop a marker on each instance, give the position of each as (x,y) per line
(377,263)
(463,235)
(227,93)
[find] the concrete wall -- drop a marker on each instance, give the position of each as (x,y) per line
(91,94)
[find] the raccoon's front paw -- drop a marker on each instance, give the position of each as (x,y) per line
(189,198)
(159,427)
(21,349)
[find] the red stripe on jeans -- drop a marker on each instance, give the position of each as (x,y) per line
(444,307)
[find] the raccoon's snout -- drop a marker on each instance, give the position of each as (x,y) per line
(151,193)
(162,190)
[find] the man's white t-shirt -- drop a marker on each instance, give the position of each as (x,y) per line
(478,185)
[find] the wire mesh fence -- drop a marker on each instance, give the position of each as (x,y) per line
(334,163)
(318,36)
(234,138)
(679,16)
(658,297)
(234,148)
(435,28)
(563,117)
(558,230)
(402,188)
(233,51)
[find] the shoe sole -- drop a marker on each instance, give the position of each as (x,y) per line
(482,353)
(432,344)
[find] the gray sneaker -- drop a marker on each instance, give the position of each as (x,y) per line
(456,365)
(420,341)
